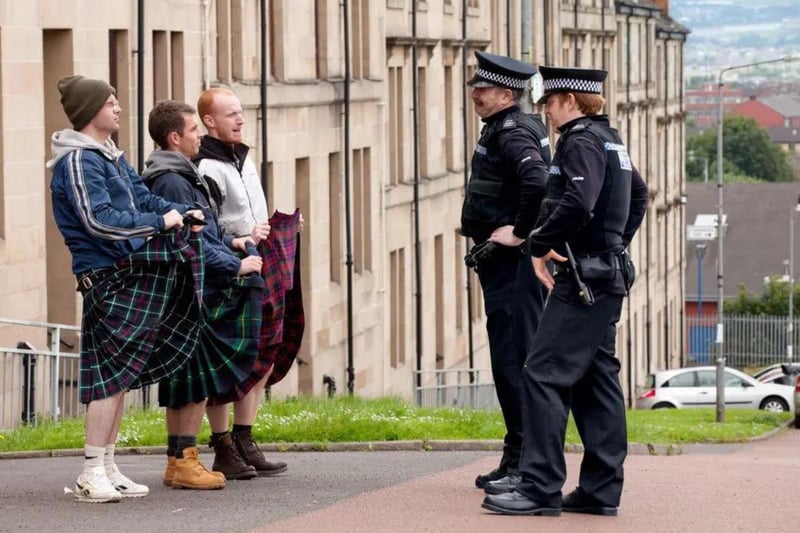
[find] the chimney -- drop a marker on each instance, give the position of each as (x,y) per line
(663,5)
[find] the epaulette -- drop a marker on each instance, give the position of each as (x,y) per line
(509,123)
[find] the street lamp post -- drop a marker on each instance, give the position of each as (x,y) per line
(720,375)
(790,325)
(701,251)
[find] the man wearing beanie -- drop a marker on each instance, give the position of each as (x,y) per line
(140,281)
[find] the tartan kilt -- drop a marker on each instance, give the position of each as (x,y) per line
(280,271)
(228,345)
(142,321)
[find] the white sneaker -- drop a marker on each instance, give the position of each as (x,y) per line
(93,486)
(125,486)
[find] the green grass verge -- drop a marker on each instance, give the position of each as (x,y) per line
(353,419)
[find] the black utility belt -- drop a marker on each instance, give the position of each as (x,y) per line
(487,251)
(601,267)
(91,278)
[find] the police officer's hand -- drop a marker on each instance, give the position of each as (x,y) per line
(540,267)
(260,232)
(250,264)
(505,235)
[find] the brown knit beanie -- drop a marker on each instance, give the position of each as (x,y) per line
(82,98)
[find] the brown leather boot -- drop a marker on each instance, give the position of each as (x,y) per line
(169,473)
(191,474)
(249,451)
(228,461)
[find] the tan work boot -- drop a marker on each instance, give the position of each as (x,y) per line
(169,473)
(191,474)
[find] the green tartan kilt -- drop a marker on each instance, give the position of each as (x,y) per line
(228,345)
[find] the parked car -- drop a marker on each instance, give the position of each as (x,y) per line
(696,387)
(792,369)
(780,374)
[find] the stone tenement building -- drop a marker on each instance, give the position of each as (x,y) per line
(398,141)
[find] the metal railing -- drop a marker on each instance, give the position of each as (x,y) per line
(38,385)
(750,340)
(457,387)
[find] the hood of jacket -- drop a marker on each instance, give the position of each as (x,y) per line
(212,148)
(163,161)
(63,142)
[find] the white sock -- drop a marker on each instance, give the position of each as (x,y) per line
(109,458)
(93,456)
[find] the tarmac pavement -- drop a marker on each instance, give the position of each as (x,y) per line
(751,487)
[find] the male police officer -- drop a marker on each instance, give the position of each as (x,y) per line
(509,170)
(594,204)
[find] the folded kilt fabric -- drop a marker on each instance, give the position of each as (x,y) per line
(142,322)
(228,345)
(282,319)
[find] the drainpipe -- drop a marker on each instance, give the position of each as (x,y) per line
(140,85)
(682,220)
(508,27)
(666,207)
(263,105)
(464,118)
(629,344)
(204,7)
(545,26)
(647,323)
(351,373)
(526,31)
(575,28)
(417,244)
(526,43)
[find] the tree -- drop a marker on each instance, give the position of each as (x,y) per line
(748,151)
(773,301)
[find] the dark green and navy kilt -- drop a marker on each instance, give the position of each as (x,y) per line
(228,345)
(142,321)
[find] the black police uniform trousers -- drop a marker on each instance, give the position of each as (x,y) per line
(513,300)
(572,366)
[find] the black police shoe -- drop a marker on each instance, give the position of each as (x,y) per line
(494,475)
(514,503)
(503,485)
(578,501)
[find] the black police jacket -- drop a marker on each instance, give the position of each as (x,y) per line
(595,198)
(509,170)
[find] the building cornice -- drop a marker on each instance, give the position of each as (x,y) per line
(470,43)
(405,40)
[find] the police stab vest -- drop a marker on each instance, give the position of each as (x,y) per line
(604,228)
(492,198)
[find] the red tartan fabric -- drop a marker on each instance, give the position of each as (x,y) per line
(283,319)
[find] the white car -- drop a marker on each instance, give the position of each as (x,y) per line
(696,387)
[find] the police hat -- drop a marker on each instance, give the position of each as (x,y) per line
(501,71)
(571,80)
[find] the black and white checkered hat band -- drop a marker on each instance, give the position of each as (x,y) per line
(572,84)
(500,79)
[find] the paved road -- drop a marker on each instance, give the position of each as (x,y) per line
(749,488)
